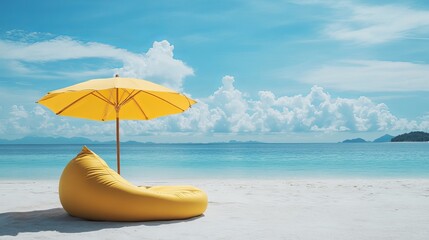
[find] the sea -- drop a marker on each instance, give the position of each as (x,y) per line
(227,160)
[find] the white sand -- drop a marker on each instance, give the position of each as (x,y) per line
(239,209)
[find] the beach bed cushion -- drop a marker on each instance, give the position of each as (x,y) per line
(91,190)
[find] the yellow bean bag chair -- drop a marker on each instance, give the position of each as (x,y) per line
(90,189)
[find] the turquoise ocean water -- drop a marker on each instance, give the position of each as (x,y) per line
(180,161)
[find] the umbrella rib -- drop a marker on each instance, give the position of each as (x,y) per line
(132,98)
(189,102)
(106,108)
(102,97)
(123,94)
(141,109)
(129,96)
(75,101)
(172,104)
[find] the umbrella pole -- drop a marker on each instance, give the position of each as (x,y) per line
(118,148)
(118,143)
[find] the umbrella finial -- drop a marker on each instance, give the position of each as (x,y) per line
(116,75)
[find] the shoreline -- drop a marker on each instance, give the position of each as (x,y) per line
(327,178)
(239,209)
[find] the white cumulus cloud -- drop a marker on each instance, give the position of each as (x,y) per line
(158,63)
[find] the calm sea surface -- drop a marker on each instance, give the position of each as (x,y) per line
(171,161)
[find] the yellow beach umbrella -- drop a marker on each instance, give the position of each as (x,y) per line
(114,99)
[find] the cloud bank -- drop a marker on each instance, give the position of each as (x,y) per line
(228,110)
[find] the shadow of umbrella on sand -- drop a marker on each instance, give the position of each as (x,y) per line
(114,99)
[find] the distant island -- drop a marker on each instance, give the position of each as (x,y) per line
(82,140)
(384,138)
(241,142)
(355,140)
(412,137)
(49,140)
(406,137)
(61,140)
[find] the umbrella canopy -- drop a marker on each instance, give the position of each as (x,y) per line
(114,99)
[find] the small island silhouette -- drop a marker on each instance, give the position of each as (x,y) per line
(417,136)
(412,137)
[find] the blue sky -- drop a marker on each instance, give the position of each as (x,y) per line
(275,71)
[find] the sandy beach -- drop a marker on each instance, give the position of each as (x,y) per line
(239,209)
